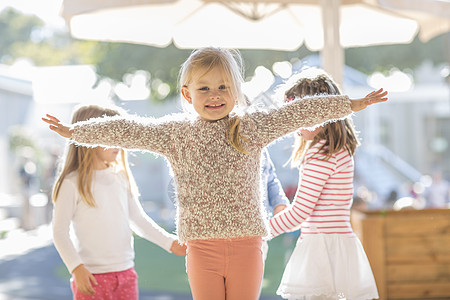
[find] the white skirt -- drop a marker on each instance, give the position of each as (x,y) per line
(328,266)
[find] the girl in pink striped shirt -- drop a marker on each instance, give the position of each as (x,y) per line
(328,261)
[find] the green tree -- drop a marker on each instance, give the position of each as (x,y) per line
(15,29)
(164,63)
(402,56)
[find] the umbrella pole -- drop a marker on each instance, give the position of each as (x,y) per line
(332,52)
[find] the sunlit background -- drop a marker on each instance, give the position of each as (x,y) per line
(403,163)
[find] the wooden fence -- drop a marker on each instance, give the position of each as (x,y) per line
(409,252)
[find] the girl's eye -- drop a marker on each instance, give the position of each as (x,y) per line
(222,87)
(205,88)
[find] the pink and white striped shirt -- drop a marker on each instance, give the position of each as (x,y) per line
(324,196)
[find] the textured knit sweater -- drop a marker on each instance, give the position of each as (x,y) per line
(218,187)
(324,196)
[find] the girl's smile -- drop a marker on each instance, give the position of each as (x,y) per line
(213,106)
(210,95)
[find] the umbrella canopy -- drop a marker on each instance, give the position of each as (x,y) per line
(327,25)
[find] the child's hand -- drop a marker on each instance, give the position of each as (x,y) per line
(371,98)
(279,208)
(57,126)
(178,249)
(83,279)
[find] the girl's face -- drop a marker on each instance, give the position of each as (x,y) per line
(104,156)
(210,95)
(309,135)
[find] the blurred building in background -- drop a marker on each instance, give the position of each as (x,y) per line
(402,140)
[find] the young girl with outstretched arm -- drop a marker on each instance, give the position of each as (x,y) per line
(328,262)
(95,192)
(215,157)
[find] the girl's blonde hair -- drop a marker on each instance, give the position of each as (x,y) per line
(80,159)
(230,62)
(338,135)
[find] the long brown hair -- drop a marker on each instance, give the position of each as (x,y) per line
(337,135)
(231,64)
(80,159)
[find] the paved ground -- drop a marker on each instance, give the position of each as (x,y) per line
(27,264)
(31,276)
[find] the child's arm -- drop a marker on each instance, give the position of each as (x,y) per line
(313,178)
(63,210)
(276,197)
(309,112)
(131,132)
(145,227)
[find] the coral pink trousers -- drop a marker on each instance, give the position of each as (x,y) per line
(222,269)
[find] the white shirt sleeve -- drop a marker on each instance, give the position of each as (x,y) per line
(145,227)
(63,211)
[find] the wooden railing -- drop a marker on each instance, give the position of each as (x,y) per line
(409,252)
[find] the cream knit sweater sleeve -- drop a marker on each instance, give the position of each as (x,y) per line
(131,132)
(308,112)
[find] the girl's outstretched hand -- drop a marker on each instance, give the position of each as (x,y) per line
(371,98)
(57,126)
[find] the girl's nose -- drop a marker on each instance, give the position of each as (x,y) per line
(214,94)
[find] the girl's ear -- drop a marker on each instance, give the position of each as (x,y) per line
(186,94)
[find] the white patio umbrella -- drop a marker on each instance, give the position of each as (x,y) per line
(326,25)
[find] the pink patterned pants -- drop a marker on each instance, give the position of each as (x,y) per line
(111,286)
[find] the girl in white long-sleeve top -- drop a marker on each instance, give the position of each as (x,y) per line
(95,193)
(328,262)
